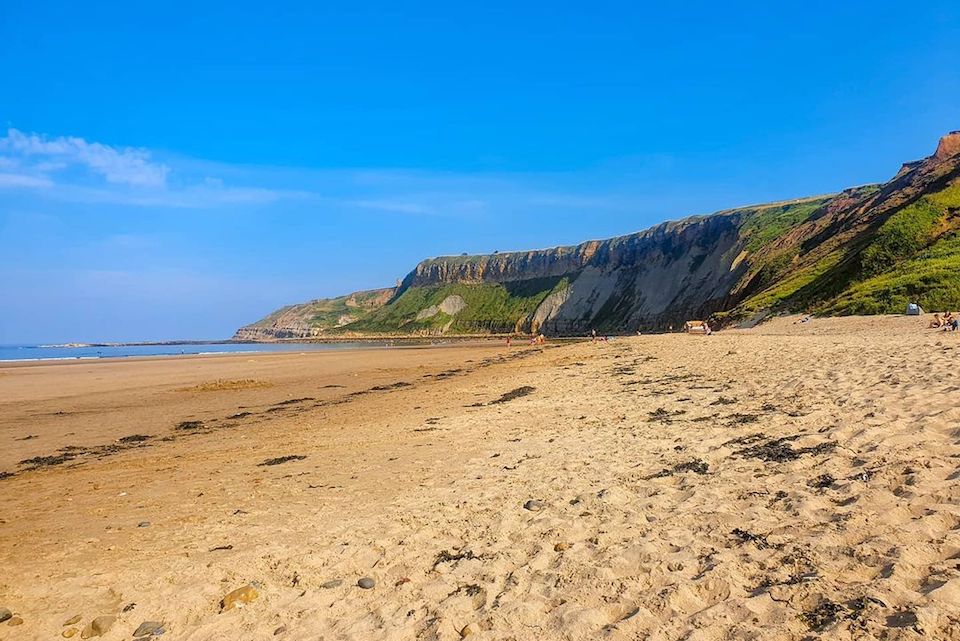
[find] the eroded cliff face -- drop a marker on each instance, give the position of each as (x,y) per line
(801,254)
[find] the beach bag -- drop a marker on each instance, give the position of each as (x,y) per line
(914,310)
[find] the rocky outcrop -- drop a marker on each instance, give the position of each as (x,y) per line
(316,318)
(798,255)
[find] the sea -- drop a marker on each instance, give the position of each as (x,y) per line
(75,351)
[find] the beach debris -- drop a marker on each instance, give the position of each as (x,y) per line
(294,401)
(822,481)
(240,415)
(221,548)
(329,585)
(143,524)
(562,547)
(696,466)
(905,619)
(281,460)
(778,450)
(50,460)
(520,392)
(449,557)
(823,616)
(189,425)
(28,437)
(467,630)
(239,598)
(366,583)
(280,630)
(6,475)
(14,621)
(149,628)
(69,633)
(129,607)
(760,540)
(392,386)
(663,415)
(72,620)
(98,627)
(134,438)
(5,614)
(534,505)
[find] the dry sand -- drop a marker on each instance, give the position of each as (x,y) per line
(786,482)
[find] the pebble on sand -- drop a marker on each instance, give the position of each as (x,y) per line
(367,583)
(533,505)
(329,585)
(69,632)
(149,627)
(5,614)
(280,630)
(468,630)
(239,598)
(98,627)
(561,547)
(143,524)
(72,620)
(15,621)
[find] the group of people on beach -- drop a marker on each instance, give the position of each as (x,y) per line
(948,322)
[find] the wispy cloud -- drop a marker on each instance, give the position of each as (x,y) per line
(69,169)
(118,165)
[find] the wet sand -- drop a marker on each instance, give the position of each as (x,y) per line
(787,482)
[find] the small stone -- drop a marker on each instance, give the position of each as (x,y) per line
(15,621)
(149,627)
(239,598)
(367,583)
(69,632)
(72,620)
(468,630)
(329,585)
(143,524)
(280,630)
(98,627)
(533,505)
(5,614)
(561,547)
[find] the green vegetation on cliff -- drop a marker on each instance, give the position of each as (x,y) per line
(488,307)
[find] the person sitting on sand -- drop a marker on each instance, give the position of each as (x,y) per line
(936,323)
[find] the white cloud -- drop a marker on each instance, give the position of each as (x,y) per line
(118,165)
(24,180)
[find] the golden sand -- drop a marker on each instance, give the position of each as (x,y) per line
(787,482)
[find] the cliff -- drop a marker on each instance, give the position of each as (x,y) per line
(316,318)
(867,249)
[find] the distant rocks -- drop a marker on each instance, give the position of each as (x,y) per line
(149,628)
(533,505)
(98,627)
(239,598)
(366,583)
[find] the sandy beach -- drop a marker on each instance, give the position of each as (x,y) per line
(792,481)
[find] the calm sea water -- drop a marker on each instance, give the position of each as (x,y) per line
(42,352)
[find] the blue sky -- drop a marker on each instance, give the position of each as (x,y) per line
(175,170)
